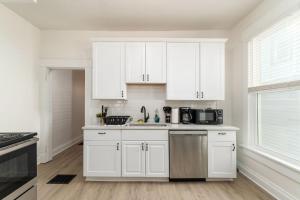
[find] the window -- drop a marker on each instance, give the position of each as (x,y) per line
(274,84)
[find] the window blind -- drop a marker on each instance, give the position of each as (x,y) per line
(275,53)
(279,122)
(274,77)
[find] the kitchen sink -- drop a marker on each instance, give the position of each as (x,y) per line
(148,124)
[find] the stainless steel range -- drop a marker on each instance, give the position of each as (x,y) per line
(18,166)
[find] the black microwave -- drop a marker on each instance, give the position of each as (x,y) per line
(207,116)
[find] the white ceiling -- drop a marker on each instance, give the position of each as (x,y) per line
(134,14)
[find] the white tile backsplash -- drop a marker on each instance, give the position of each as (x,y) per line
(151,96)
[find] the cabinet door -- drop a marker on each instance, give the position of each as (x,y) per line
(157,159)
(212,81)
(102,159)
(182,68)
(221,160)
(135,62)
(133,159)
(108,70)
(156,62)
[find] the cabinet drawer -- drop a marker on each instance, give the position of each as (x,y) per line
(148,135)
(102,135)
(221,136)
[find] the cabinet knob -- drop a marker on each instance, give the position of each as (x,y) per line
(143,146)
(146,146)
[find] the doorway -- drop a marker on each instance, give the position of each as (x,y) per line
(67,93)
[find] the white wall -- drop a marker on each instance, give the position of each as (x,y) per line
(19,75)
(78,90)
(75,46)
(67,108)
(283,182)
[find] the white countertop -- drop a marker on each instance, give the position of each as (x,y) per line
(168,127)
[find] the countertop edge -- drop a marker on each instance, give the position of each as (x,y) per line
(169,127)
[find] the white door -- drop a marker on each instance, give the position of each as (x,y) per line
(133,159)
(102,159)
(135,62)
(212,66)
(221,160)
(183,69)
(156,62)
(157,159)
(108,70)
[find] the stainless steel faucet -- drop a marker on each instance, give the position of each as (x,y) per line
(146,117)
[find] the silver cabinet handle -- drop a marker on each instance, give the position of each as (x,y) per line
(118,146)
(147,77)
(233,147)
(122,93)
(202,95)
(101,133)
(143,77)
(143,146)
(222,133)
(197,94)
(146,146)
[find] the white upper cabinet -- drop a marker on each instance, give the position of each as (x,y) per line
(135,62)
(109,70)
(156,62)
(195,71)
(182,70)
(145,62)
(212,66)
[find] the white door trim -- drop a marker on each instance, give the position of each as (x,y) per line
(47,65)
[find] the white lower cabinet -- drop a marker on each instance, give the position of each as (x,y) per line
(145,159)
(221,155)
(157,159)
(133,159)
(102,158)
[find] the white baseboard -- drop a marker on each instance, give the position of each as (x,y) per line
(66,145)
(273,189)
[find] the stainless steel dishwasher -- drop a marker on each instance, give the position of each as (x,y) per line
(188,155)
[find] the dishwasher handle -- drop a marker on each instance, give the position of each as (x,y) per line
(188,133)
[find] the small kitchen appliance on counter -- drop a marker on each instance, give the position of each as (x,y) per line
(175,116)
(208,116)
(185,114)
(18,166)
(167,111)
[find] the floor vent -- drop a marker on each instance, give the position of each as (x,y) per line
(62,179)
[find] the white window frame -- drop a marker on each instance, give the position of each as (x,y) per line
(253,92)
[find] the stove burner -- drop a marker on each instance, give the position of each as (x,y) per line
(7,139)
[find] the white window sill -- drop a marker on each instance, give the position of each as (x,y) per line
(294,167)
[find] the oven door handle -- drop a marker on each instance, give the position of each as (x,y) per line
(17,146)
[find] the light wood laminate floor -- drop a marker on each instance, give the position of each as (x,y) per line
(70,162)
